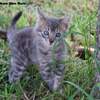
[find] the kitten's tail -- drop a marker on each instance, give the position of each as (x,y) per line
(16,18)
(12,28)
(3,33)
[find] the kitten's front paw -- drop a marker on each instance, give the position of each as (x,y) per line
(12,77)
(55,86)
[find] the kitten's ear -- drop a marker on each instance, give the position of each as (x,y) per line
(40,15)
(64,23)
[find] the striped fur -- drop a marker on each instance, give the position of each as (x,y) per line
(36,46)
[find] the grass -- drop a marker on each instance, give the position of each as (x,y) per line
(79,74)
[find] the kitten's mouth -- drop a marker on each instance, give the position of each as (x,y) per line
(51,41)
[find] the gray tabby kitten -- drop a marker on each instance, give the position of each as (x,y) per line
(42,45)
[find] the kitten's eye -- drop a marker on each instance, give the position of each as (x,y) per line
(58,34)
(46,33)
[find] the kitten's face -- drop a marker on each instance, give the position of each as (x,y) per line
(51,28)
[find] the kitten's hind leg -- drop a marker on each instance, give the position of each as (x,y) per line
(18,65)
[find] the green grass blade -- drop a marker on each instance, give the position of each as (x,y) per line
(80,89)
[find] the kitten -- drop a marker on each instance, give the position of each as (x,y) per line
(42,45)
